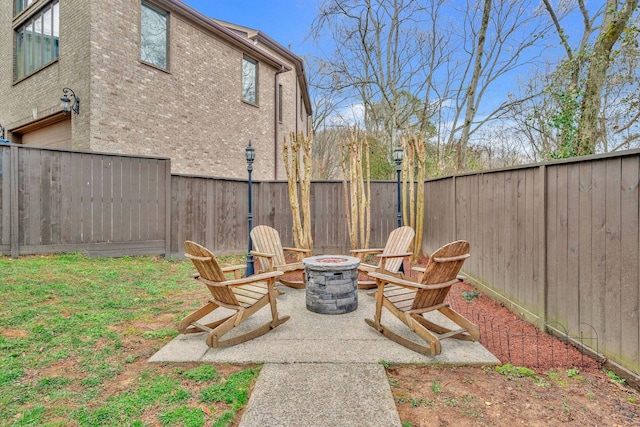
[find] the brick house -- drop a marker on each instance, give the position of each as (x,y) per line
(154,77)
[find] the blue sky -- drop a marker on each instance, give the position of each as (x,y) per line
(285,21)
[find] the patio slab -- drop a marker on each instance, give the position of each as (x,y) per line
(320,369)
(310,337)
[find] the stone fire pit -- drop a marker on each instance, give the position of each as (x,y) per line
(332,283)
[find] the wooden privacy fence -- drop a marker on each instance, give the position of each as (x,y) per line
(214,211)
(558,242)
(62,201)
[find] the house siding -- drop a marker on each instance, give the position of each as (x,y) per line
(37,96)
(193,112)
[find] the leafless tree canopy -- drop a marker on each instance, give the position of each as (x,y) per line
(523,80)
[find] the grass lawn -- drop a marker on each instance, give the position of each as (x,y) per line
(75,334)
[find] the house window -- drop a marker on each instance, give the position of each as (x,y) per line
(153,36)
(37,40)
(280,103)
(249,80)
(22,5)
(301,108)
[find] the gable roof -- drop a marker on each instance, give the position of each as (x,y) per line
(211,26)
(244,39)
(261,38)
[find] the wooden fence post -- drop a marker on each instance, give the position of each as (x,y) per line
(542,245)
(167,208)
(14,228)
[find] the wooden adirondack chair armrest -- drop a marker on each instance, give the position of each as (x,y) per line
(306,251)
(384,256)
(236,269)
(362,253)
(367,251)
(296,266)
(452,258)
(233,268)
(242,280)
(198,258)
(262,254)
(385,278)
(268,257)
(299,252)
(252,279)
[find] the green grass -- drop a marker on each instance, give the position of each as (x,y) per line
(75,335)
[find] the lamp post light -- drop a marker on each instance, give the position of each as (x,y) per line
(66,102)
(250,155)
(398,156)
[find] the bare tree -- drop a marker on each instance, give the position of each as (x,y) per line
(378,44)
(327,130)
(497,38)
(592,60)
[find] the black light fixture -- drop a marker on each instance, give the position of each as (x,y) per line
(66,102)
(398,156)
(250,156)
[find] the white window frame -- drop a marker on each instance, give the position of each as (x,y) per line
(249,81)
(36,39)
(153,52)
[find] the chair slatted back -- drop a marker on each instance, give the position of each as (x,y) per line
(443,266)
(399,242)
(209,269)
(267,240)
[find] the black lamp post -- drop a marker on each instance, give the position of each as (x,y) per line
(250,155)
(398,155)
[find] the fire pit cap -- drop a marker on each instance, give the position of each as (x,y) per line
(331,262)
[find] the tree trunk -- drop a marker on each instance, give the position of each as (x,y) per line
(471,91)
(613,23)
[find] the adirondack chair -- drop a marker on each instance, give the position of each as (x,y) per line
(271,256)
(390,257)
(244,295)
(408,301)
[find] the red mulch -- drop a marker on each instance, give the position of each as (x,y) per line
(510,338)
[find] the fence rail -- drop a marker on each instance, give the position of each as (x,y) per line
(557,242)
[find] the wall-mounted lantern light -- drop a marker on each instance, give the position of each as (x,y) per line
(66,102)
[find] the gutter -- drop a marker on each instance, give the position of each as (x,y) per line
(210,25)
(276,120)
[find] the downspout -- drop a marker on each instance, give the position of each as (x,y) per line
(276,120)
(297,112)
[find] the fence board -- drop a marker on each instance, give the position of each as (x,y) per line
(46,202)
(629,260)
(97,205)
(571,298)
(117,223)
(598,247)
(526,210)
(5,197)
(612,332)
(510,232)
(585,230)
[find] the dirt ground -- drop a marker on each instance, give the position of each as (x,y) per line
(473,396)
(561,385)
